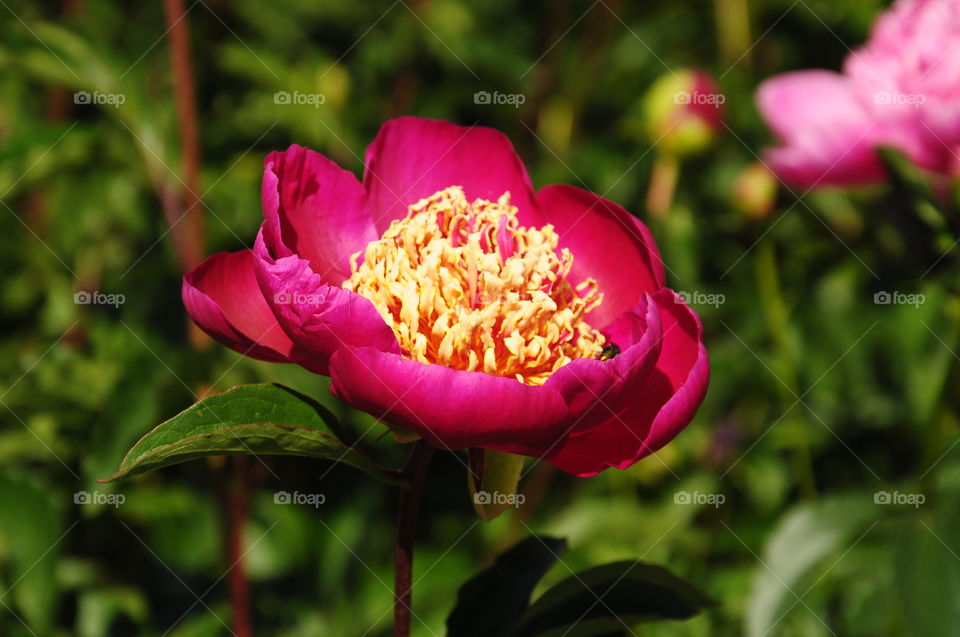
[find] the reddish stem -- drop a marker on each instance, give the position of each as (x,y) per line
(415,471)
(188,232)
(185,218)
(237,507)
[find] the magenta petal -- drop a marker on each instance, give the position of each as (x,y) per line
(451,409)
(412,158)
(794,104)
(594,390)
(663,407)
(315,209)
(222,297)
(828,136)
(319,318)
(807,168)
(608,244)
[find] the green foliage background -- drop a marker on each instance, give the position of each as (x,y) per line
(819,397)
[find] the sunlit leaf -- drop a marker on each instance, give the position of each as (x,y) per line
(262,419)
(804,537)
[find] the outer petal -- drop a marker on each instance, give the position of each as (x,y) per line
(319,318)
(449,408)
(222,296)
(316,210)
(794,103)
(664,406)
(829,136)
(412,158)
(608,244)
(594,390)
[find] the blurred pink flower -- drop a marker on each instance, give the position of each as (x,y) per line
(902,89)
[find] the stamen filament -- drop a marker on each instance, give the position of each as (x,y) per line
(465,286)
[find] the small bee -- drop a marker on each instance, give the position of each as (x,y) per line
(609,351)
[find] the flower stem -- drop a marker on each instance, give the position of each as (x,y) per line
(232,479)
(663,185)
(775,311)
(733,30)
(938,425)
(415,471)
(188,237)
(239,585)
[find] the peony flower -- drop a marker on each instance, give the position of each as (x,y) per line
(902,89)
(446,298)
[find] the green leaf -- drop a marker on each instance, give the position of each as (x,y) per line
(805,536)
(608,599)
(31,529)
(915,187)
(905,173)
(493,600)
(499,474)
(265,419)
(98,608)
(133,407)
(928,580)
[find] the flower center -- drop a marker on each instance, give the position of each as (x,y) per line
(465,286)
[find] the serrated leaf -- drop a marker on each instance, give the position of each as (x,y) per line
(494,599)
(608,599)
(265,419)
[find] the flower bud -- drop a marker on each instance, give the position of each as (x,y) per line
(755,190)
(683,111)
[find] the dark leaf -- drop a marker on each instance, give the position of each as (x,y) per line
(493,600)
(608,599)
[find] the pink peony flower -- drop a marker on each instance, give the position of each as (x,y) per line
(446,298)
(902,89)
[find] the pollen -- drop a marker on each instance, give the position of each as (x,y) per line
(465,286)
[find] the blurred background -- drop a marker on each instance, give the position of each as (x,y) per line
(810,496)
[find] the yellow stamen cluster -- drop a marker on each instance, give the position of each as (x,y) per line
(465,286)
